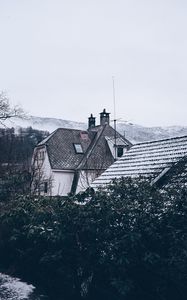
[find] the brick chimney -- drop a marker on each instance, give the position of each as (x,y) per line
(91,122)
(104,118)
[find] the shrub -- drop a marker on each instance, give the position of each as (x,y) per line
(128,241)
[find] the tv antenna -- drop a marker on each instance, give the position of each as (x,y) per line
(114,102)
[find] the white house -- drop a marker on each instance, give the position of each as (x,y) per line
(68,160)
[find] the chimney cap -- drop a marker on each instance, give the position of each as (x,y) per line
(91,122)
(104,112)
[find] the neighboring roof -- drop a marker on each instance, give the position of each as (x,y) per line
(118,141)
(177,174)
(149,159)
(99,155)
(60,147)
(44,141)
(96,152)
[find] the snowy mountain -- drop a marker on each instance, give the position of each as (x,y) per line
(135,133)
(46,124)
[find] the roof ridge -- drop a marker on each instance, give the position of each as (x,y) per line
(91,147)
(123,137)
(65,128)
(118,133)
(161,140)
(159,179)
(47,138)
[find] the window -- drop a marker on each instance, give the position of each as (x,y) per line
(119,151)
(45,187)
(78,148)
(41,155)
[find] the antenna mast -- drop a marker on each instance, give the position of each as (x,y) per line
(114,101)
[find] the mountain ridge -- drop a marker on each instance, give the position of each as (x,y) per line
(133,132)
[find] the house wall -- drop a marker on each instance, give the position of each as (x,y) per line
(41,171)
(46,167)
(86,178)
(58,182)
(62,182)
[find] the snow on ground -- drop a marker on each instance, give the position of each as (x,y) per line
(13,289)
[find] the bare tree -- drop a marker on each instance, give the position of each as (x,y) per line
(40,183)
(7,111)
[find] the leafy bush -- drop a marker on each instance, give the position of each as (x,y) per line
(128,241)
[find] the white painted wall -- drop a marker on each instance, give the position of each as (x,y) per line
(85,179)
(41,171)
(62,182)
(46,167)
(59,182)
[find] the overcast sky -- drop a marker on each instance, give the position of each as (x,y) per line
(57,58)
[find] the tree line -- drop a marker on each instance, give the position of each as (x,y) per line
(16,150)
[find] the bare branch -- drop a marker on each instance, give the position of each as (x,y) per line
(6,111)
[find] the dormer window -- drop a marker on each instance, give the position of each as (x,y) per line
(119,151)
(78,148)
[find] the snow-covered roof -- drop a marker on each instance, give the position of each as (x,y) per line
(148,159)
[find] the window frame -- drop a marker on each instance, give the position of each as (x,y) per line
(45,187)
(80,150)
(120,148)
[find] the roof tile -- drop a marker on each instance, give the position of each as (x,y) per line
(148,159)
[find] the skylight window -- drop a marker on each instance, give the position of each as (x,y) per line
(78,148)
